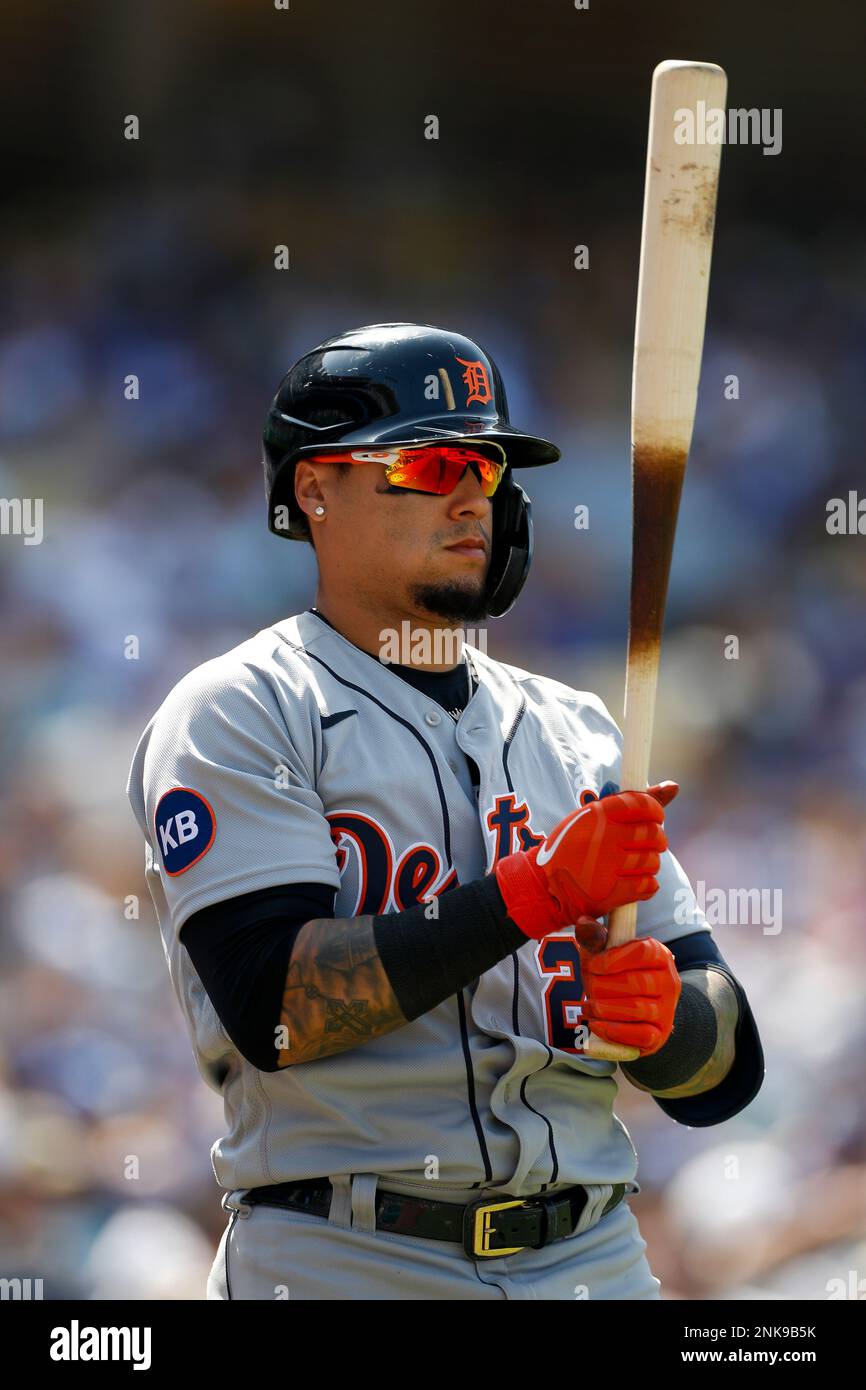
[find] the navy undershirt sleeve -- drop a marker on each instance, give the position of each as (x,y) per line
(241,948)
(744,1080)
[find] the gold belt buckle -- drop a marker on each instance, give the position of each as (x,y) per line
(479,1230)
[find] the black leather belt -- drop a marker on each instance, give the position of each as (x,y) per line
(485,1229)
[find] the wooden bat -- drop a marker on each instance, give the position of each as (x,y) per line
(676,245)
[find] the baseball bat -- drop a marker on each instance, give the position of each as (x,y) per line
(679,208)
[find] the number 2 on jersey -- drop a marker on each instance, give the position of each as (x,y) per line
(559,959)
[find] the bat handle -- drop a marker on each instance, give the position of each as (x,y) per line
(610,1051)
(640,693)
(621,928)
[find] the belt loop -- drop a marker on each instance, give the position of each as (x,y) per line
(597,1194)
(340,1213)
(231,1201)
(364,1201)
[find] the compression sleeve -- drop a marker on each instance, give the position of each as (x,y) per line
(744,1080)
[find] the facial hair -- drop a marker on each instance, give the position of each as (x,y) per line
(452,601)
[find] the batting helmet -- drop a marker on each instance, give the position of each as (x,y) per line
(403,383)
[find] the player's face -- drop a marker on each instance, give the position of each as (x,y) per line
(431,551)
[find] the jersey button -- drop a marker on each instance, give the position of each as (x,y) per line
(432,718)
(452,764)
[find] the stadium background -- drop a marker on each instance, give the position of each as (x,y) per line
(305,127)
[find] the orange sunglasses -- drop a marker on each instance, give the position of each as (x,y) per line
(432,468)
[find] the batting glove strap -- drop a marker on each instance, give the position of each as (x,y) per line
(526,896)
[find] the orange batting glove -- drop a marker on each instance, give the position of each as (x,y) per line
(632,992)
(602,855)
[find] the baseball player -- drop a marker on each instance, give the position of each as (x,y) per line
(381,875)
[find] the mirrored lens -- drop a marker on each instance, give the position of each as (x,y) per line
(438,470)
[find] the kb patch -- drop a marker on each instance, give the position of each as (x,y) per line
(185,829)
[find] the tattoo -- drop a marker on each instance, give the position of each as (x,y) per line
(337,993)
(722,996)
(348,947)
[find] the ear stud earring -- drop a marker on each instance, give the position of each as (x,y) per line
(320,511)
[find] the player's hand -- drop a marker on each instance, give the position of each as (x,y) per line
(631,993)
(600,856)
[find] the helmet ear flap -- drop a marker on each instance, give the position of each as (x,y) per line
(291,521)
(280,440)
(511,549)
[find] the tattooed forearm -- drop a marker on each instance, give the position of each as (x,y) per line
(337,994)
(347,946)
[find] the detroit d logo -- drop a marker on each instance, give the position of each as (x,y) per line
(477,382)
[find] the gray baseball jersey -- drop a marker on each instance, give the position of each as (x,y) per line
(297,757)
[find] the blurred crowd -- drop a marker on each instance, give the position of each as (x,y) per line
(155,530)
